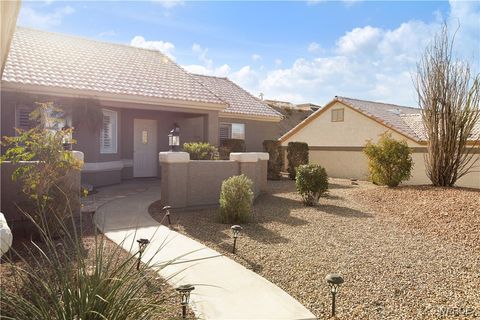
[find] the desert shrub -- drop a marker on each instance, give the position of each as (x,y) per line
(44,177)
(297,154)
(231,145)
(311,182)
(236,199)
(56,279)
(275,161)
(389,161)
(201,150)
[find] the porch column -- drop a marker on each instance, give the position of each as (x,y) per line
(210,127)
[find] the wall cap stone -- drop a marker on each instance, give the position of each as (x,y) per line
(5,235)
(249,156)
(174,157)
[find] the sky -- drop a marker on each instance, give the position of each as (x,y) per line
(297,51)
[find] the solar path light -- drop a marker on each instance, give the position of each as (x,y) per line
(142,245)
(185,291)
(334,280)
(167,214)
(236,231)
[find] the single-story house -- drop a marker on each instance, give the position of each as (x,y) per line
(337,133)
(123,101)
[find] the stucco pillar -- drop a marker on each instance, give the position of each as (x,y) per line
(174,186)
(211,128)
(253,165)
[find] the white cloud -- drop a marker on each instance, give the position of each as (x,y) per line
(314,47)
(278,62)
(168,4)
(256,57)
(40,19)
(166,48)
(359,40)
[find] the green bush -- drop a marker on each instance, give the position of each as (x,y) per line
(236,199)
(389,161)
(297,154)
(275,161)
(311,183)
(46,182)
(201,150)
(231,145)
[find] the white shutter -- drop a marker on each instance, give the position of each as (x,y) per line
(225,131)
(108,136)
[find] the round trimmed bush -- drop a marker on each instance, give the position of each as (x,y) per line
(389,161)
(236,198)
(311,182)
(201,150)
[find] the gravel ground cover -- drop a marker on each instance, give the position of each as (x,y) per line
(171,307)
(391,269)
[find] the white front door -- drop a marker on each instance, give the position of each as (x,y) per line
(145,157)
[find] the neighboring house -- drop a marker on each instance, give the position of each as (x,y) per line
(134,95)
(337,134)
(292,114)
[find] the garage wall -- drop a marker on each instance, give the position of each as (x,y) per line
(338,146)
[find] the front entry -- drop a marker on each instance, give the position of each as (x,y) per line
(145,155)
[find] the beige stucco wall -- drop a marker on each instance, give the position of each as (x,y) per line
(337,146)
(196,183)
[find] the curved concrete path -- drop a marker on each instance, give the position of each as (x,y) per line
(224,289)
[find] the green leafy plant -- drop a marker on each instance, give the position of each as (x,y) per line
(56,279)
(389,161)
(231,145)
(275,161)
(201,151)
(236,199)
(311,182)
(43,167)
(297,154)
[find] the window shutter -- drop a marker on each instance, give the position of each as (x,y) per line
(23,119)
(107,133)
(225,132)
(108,136)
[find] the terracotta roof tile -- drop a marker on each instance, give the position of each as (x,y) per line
(64,61)
(240,101)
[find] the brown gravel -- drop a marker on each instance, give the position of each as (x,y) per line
(171,309)
(391,269)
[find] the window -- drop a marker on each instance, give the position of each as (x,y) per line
(232,131)
(108,135)
(337,115)
(22,118)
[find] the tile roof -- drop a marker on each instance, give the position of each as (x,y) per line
(388,114)
(406,120)
(240,101)
(63,61)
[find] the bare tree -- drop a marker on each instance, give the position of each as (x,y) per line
(449,98)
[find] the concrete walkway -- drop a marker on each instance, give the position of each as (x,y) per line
(224,289)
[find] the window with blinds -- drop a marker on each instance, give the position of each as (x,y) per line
(22,118)
(232,131)
(108,135)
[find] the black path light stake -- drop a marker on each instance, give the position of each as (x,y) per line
(236,231)
(167,214)
(142,245)
(184,291)
(334,280)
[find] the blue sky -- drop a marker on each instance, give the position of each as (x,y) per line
(302,51)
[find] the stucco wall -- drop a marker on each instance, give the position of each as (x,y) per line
(338,147)
(187,183)
(256,132)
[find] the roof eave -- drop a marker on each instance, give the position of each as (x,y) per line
(243,116)
(117,97)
